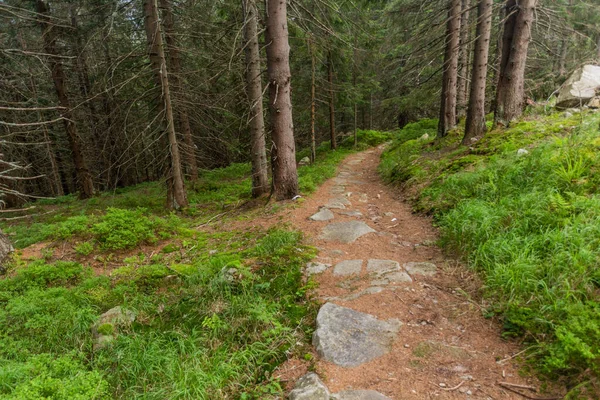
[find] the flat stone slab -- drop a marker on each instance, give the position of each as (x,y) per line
(337,189)
(392,277)
(339,203)
(382,266)
(313,268)
(359,395)
(352,213)
(324,214)
(369,290)
(348,267)
(421,268)
(387,271)
(350,338)
(309,387)
(345,232)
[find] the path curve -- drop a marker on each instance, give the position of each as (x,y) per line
(443,340)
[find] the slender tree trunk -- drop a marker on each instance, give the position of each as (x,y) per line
(510,94)
(84,179)
(57,189)
(598,49)
(83,77)
(260,178)
(175,183)
(465,46)
(564,49)
(189,148)
(354,75)
(449,78)
(285,176)
(475,124)
(313,141)
(331,101)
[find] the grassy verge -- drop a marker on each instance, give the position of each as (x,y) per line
(529,221)
(215,312)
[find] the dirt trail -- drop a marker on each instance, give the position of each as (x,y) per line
(444,341)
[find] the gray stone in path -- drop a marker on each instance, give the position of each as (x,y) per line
(382,266)
(337,189)
(352,213)
(350,338)
(324,214)
(316,268)
(387,271)
(345,232)
(359,395)
(338,202)
(348,267)
(309,387)
(421,268)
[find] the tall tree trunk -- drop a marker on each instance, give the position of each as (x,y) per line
(354,76)
(562,61)
(465,47)
(331,101)
(176,195)
(313,140)
(260,178)
(55,182)
(510,92)
(189,148)
(285,176)
(475,124)
(449,77)
(85,85)
(84,179)
(598,49)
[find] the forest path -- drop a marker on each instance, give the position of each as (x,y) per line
(395,273)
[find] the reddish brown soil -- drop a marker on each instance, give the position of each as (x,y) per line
(445,340)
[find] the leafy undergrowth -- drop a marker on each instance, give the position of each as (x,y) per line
(208,326)
(216,312)
(528,221)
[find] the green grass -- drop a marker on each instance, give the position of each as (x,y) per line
(211,332)
(529,223)
(216,312)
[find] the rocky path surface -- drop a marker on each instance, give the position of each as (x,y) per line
(397,320)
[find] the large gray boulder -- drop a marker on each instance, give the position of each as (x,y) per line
(309,387)
(349,338)
(580,88)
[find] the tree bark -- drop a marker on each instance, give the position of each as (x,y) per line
(564,49)
(475,124)
(260,178)
(331,101)
(465,47)
(598,49)
(313,141)
(285,176)
(510,94)
(85,85)
(449,77)
(189,148)
(49,36)
(176,194)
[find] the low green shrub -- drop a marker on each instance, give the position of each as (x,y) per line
(530,223)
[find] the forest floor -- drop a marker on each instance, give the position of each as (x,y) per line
(445,347)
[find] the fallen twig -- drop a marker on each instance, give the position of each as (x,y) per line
(455,387)
(518,386)
(511,389)
(511,357)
